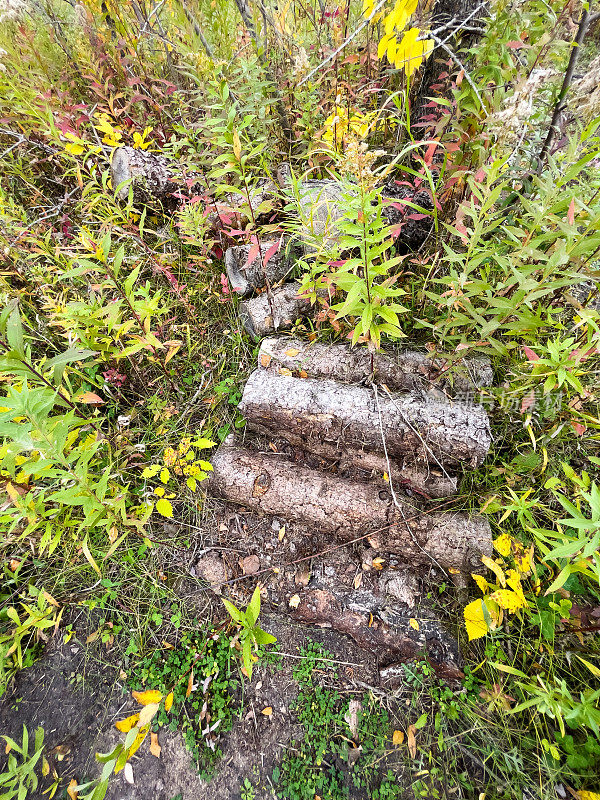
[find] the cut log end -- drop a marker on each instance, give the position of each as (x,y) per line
(263,315)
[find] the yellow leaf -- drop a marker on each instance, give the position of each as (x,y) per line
(414,624)
(509,600)
(585,794)
(398,738)
(155,748)
(503,544)
(190,685)
(45,766)
(513,579)
(164,508)
(268,711)
(237,146)
(89,556)
(159,491)
(164,475)
(72,789)
(475,620)
(169,702)
(147,697)
(292,352)
(147,714)
(524,562)
(491,564)
(294,601)
(412,742)
(125,725)
(481,582)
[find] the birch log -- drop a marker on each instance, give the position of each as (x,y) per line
(399,370)
(271,485)
(309,412)
(263,315)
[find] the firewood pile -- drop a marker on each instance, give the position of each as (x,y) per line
(363,447)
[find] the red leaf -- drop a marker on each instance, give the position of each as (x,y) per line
(271,252)
(531,356)
(528,401)
(578,428)
(571,212)
(252,253)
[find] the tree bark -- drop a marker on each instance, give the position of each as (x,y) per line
(262,315)
(246,277)
(272,485)
(399,370)
(309,412)
(151,176)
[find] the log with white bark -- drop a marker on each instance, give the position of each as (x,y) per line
(272,485)
(309,412)
(399,370)
(253,266)
(273,311)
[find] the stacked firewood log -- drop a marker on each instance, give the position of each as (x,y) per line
(390,432)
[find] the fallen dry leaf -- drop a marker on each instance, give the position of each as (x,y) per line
(155,748)
(169,702)
(412,742)
(398,738)
(268,711)
(125,725)
(294,601)
(414,624)
(148,697)
(190,685)
(128,773)
(72,789)
(285,372)
(292,352)
(281,533)
(250,565)
(147,713)
(265,360)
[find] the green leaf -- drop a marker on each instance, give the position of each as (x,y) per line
(421,722)
(262,637)
(234,612)
(14,333)
(253,609)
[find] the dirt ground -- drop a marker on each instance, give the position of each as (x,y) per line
(77,692)
(77,699)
